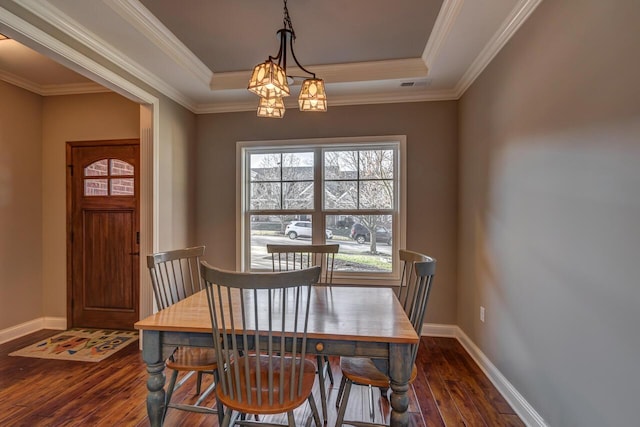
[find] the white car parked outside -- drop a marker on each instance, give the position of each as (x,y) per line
(297,229)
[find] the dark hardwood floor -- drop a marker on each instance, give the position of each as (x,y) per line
(450,390)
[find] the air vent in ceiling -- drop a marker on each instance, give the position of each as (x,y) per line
(417,83)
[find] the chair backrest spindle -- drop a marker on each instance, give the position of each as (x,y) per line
(297,257)
(406,290)
(175,275)
(267,321)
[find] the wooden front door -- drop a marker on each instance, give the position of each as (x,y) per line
(103,234)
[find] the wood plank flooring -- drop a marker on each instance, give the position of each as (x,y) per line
(450,390)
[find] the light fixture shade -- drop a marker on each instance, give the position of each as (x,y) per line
(271,107)
(269,80)
(312,96)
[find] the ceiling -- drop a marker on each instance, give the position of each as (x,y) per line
(200,52)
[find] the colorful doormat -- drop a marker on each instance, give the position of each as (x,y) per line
(83,345)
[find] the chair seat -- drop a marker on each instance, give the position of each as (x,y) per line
(193,359)
(309,375)
(361,370)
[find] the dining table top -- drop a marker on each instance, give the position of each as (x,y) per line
(371,314)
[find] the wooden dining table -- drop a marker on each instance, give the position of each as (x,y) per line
(343,321)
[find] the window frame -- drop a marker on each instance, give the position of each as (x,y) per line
(318,213)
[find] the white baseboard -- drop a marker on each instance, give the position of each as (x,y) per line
(57,323)
(439,330)
(17,331)
(525,411)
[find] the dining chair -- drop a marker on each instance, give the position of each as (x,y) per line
(296,257)
(363,371)
(407,260)
(259,326)
(405,290)
(175,275)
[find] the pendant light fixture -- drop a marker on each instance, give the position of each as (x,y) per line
(271,107)
(270,81)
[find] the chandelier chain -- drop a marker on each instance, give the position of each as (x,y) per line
(287,20)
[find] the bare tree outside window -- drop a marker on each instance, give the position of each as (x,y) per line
(281,181)
(359,181)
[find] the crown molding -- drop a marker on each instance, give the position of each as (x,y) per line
(336,101)
(81,34)
(52,90)
(226,107)
(511,24)
(394,97)
(155,31)
(20,82)
(73,56)
(409,68)
(441,29)
(73,89)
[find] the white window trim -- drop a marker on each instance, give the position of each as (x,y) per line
(242,238)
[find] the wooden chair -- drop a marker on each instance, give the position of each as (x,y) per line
(363,371)
(405,290)
(296,257)
(263,376)
(175,275)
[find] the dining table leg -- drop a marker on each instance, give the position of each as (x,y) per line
(399,374)
(152,356)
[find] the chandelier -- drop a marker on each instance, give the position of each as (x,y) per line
(270,81)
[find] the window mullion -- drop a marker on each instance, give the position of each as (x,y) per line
(318,217)
(358,180)
(281,183)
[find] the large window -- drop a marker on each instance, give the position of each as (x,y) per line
(348,191)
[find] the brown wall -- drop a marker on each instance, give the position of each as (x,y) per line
(550,210)
(431,130)
(72,118)
(176,177)
(20,206)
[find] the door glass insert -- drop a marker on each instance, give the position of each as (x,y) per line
(122,187)
(118,167)
(98,168)
(96,187)
(116,178)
